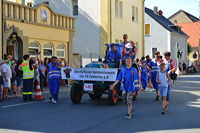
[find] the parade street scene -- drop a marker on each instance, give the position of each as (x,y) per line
(99,66)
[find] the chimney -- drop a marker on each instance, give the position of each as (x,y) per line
(160,12)
(30,4)
(46,2)
(155,9)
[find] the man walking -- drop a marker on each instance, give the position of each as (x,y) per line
(54,74)
(154,70)
(171,69)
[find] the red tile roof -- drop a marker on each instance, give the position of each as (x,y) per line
(193,30)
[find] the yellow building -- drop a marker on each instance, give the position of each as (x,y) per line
(120,17)
(28,30)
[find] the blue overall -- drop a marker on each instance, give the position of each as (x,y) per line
(169,87)
(154,72)
(54,80)
(113,56)
(127,78)
(136,81)
(149,63)
(144,76)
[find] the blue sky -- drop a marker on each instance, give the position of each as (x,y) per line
(169,7)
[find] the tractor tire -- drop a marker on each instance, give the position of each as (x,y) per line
(75,94)
(113,97)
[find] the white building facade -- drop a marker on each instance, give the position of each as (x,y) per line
(161,36)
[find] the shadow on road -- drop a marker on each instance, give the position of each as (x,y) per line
(98,117)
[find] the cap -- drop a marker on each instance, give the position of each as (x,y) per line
(128,45)
(112,44)
(143,62)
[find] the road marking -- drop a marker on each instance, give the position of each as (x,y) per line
(20,104)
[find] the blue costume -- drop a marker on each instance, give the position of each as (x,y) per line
(54,80)
(113,56)
(127,77)
(144,76)
(149,63)
(154,71)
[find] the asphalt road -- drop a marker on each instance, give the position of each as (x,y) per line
(90,116)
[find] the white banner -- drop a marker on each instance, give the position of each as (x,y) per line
(90,74)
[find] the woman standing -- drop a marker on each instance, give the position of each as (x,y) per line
(19,77)
(42,71)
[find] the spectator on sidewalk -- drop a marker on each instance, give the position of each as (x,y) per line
(42,71)
(13,80)
(19,77)
(7,75)
(1,84)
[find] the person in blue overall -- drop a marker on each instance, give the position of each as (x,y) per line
(170,68)
(54,75)
(148,61)
(127,77)
(154,69)
(113,58)
(144,75)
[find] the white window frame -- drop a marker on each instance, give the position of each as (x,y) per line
(34,48)
(61,50)
(48,49)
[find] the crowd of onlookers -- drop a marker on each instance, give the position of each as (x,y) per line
(11,75)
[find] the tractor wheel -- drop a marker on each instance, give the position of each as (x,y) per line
(113,97)
(75,94)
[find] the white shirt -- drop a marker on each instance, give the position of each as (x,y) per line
(162,77)
(6,68)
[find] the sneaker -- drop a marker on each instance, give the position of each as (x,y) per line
(50,98)
(167,102)
(157,98)
(163,111)
(128,116)
(54,101)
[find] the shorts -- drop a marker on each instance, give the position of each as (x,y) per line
(19,82)
(7,84)
(163,90)
(129,98)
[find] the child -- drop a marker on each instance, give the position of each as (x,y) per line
(144,75)
(127,77)
(162,80)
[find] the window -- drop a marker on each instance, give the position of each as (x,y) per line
(120,9)
(33,49)
(75,7)
(61,51)
(116,8)
(133,13)
(147,29)
(153,51)
(48,50)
